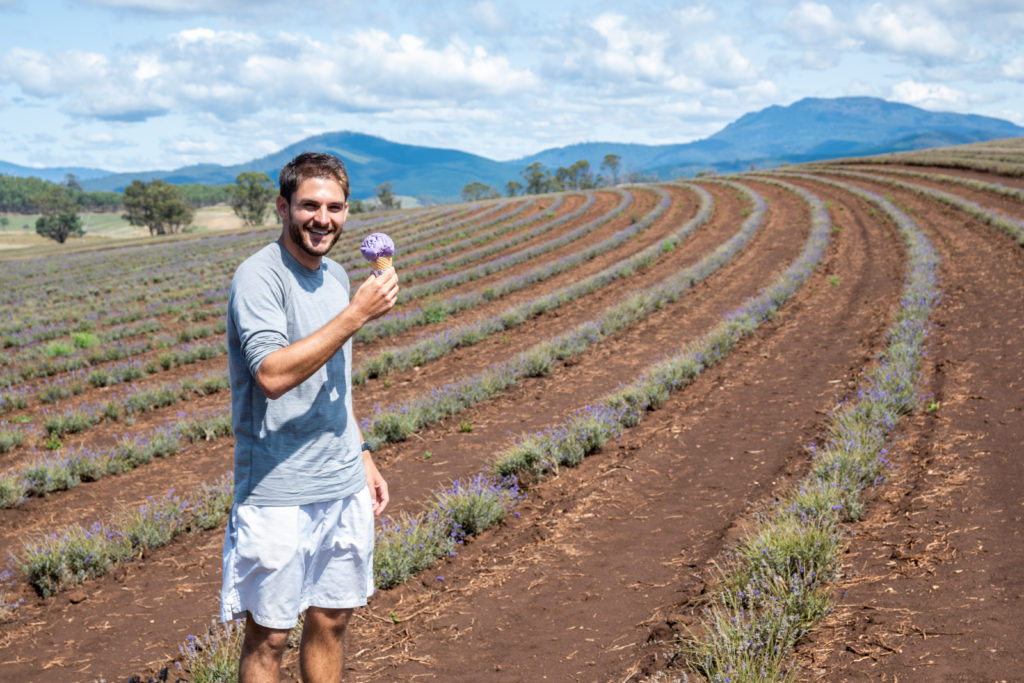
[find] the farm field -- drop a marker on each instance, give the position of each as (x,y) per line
(711,332)
(101,228)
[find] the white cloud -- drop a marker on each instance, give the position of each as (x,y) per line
(934,96)
(1014,69)
(913,31)
(39,75)
(230,74)
(695,17)
(630,53)
(811,22)
(719,63)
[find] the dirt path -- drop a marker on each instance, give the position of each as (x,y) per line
(935,590)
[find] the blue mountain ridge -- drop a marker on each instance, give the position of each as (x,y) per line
(807,130)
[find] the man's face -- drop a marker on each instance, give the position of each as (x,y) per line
(313,219)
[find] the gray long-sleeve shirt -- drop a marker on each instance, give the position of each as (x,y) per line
(304,446)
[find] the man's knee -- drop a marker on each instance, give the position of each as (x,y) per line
(322,620)
(264,642)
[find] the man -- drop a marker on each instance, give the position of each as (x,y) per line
(300,534)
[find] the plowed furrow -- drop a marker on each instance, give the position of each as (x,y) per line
(572,589)
(937,594)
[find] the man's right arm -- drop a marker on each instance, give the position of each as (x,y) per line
(286,368)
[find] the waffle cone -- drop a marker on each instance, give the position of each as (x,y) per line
(382,263)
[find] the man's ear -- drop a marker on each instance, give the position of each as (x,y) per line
(282,207)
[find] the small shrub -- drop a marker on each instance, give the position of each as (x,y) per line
(58,349)
(84,340)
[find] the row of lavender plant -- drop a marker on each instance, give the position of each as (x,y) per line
(78,554)
(438,310)
(1007,224)
(51,471)
(544,223)
(166,358)
(1012,166)
(479,228)
(48,367)
(66,360)
(63,471)
(396,423)
(568,443)
(972,183)
(438,345)
(522,256)
(407,544)
(89,278)
(69,468)
(775,584)
(125,406)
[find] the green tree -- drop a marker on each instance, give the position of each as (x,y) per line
(476,191)
(158,206)
(513,187)
(537,177)
(60,218)
(611,164)
(71,182)
(251,196)
(386,197)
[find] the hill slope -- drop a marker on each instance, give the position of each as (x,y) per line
(807,130)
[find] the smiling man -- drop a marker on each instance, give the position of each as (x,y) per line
(300,534)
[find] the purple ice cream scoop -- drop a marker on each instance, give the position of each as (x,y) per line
(378,248)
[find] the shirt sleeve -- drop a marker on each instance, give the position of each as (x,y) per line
(258,307)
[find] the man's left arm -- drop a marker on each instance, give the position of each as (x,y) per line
(376,483)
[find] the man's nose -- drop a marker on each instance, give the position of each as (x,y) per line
(321,216)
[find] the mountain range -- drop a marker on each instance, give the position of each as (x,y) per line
(807,130)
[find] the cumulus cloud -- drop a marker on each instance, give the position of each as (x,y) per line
(911,30)
(811,22)
(629,59)
(1014,69)
(934,96)
(630,52)
(230,74)
(718,62)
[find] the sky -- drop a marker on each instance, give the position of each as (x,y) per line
(132,85)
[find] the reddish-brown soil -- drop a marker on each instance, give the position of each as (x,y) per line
(601,566)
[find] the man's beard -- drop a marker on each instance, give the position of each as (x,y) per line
(298,235)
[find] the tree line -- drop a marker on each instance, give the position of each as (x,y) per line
(161,207)
(538,179)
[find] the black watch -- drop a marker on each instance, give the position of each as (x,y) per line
(365,446)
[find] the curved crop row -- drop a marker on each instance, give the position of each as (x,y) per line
(775,587)
(441,343)
(396,423)
(1007,224)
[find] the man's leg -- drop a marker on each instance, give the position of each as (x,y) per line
(262,649)
(322,654)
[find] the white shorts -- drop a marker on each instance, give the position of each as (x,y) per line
(280,560)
